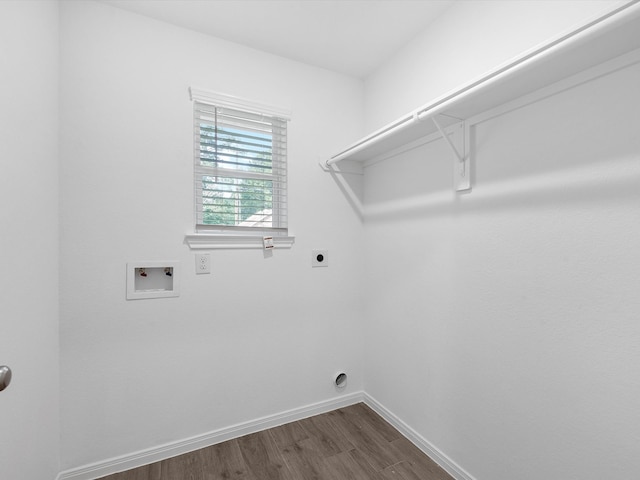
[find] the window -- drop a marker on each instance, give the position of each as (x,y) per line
(240,166)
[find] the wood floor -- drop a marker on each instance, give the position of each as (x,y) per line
(351,443)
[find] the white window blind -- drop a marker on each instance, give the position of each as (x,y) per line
(240,169)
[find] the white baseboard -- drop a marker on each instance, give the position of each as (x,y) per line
(162,452)
(451,467)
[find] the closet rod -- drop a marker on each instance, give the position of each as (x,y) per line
(374,138)
(573,38)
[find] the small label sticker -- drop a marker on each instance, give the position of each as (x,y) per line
(268,242)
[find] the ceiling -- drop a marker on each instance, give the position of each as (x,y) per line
(353,37)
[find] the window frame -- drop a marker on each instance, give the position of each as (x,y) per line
(222,236)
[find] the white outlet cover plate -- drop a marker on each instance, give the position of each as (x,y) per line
(203,263)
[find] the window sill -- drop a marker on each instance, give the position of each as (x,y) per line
(200,241)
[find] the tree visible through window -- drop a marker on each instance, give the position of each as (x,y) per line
(240,169)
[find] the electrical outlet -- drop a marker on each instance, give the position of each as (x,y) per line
(319,258)
(203,263)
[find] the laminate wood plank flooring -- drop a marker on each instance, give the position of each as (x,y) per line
(351,443)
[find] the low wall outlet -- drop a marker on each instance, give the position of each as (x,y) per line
(319,258)
(203,263)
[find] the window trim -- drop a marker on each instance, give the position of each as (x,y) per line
(209,241)
(229,101)
(221,237)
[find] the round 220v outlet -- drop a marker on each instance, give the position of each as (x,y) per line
(319,258)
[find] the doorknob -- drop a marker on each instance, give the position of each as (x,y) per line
(5,377)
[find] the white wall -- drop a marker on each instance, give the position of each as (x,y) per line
(502,325)
(501,328)
(468,41)
(256,337)
(29,431)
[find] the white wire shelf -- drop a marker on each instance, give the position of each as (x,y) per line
(605,38)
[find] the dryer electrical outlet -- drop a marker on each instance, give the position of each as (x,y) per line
(319,258)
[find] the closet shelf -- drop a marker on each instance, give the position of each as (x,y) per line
(603,39)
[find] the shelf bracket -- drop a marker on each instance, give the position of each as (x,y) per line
(461,153)
(347,179)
